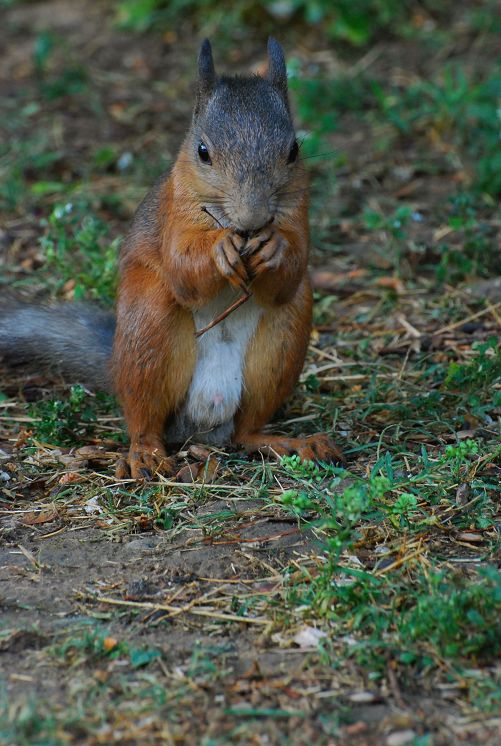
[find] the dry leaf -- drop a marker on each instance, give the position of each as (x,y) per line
(42,516)
(355,728)
(199,452)
(187,474)
(392,283)
(70,477)
(93,453)
(463,493)
(101,676)
(325,280)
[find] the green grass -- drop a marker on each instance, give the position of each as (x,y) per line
(355,23)
(67,420)
(77,249)
(455,109)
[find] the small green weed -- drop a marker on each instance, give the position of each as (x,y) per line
(68,81)
(480,373)
(27,723)
(355,22)
(472,251)
(393,224)
(459,110)
(77,249)
(24,165)
(64,421)
(458,617)
(90,645)
(413,616)
(308,470)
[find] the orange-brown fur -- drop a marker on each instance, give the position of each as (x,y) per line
(154,352)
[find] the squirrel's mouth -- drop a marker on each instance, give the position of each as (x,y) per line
(251,233)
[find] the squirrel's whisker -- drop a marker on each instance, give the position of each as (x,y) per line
(320,155)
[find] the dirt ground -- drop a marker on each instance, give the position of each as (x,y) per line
(51,587)
(78,578)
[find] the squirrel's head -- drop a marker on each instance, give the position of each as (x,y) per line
(242,145)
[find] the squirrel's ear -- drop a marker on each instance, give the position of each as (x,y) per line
(277,72)
(206,71)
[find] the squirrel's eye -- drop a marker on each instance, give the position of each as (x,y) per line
(293,153)
(203,153)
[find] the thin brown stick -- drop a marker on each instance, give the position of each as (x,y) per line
(236,304)
(174,610)
(220,317)
(490,308)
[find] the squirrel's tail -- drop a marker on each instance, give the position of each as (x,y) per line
(73,339)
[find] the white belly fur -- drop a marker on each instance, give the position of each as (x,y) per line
(216,386)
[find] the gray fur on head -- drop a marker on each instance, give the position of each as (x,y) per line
(246,125)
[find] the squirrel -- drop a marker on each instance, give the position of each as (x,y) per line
(229,219)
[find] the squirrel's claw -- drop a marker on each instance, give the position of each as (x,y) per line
(320,447)
(229,262)
(265,251)
(145,462)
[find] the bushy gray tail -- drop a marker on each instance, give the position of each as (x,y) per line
(73,339)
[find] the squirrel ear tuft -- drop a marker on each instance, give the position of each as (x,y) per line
(206,71)
(277,71)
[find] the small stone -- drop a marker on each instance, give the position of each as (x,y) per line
(140,545)
(470,536)
(308,637)
(139,589)
(125,161)
(401,737)
(486,289)
(92,505)
(362,698)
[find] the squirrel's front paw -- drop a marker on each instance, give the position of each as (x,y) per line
(264,251)
(228,261)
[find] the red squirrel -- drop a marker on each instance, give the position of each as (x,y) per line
(229,219)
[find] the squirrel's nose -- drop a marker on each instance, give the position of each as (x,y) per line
(251,217)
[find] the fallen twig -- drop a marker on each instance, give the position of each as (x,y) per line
(220,317)
(175,610)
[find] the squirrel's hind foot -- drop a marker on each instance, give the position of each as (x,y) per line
(317,447)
